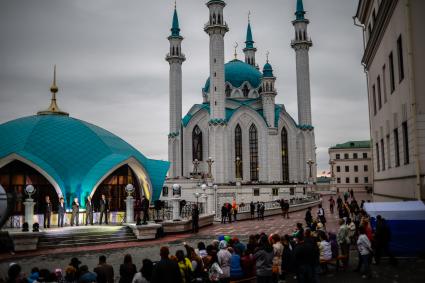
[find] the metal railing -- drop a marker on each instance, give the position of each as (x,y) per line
(166,212)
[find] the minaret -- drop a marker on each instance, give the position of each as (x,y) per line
(249,49)
(53,108)
(175,58)
(216,28)
(268,94)
(301,45)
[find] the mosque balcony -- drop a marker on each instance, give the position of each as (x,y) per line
(181,57)
(298,42)
(215,26)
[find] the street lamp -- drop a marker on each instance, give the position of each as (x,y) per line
(30,190)
(197,195)
(129,189)
(310,163)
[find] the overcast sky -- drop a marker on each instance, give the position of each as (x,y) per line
(111,69)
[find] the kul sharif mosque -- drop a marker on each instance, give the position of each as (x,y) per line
(238,135)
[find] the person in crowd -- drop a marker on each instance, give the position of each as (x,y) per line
(185,267)
(224,258)
(248,264)
(215,272)
(47,212)
(321,215)
(70,274)
(202,251)
(145,273)
(331,204)
(365,248)
(338,202)
(235,265)
(382,238)
(75,263)
(61,212)
(304,259)
(277,257)
(324,247)
(104,271)
(166,270)
(34,275)
(75,212)
(351,231)
(264,260)
(198,269)
(89,211)
(258,210)
(308,217)
(362,204)
(229,212)
(263,208)
(235,211)
(286,208)
(195,219)
(127,270)
(104,208)
(287,262)
(86,276)
(223,214)
(352,193)
(298,230)
(14,274)
(145,209)
(343,240)
(252,209)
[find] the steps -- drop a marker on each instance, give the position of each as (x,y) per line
(85,236)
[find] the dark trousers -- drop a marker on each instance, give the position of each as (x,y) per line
(305,274)
(223,218)
(345,250)
(264,279)
(89,217)
(365,264)
(74,218)
(60,219)
(103,212)
(47,216)
(195,226)
(252,214)
(145,216)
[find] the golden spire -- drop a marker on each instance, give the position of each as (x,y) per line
(53,108)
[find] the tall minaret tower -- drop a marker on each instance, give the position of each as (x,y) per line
(301,45)
(268,94)
(249,49)
(175,58)
(216,28)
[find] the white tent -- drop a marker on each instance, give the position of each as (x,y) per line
(404,210)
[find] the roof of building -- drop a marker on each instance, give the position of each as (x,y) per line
(300,10)
(175,29)
(76,154)
(323,180)
(268,70)
(352,144)
(249,42)
(236,73)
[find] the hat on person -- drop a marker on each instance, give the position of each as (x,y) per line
(75,261)
(222,245)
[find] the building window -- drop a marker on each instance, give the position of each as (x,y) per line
(383,154)
(356,168)
(337,156)
(392,83)
(366,180)
(292,191)
(347,168)
(256,192)
(384,82)
(245,90)
(285,163)
(365,168)
(388,151)
(346,156)
(378,84)
(165,191)
(253,152)
(228,91)
(238,151)
(338,169)
(374,100)
(405,142)
(338,180)
(275,191)
(396,148)
(197,144)
(400,59)
(347,180)
(355,155)
(378,166)
(356,180)
(364,155)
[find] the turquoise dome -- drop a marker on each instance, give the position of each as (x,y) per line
(267,70)
(74,153)
(237,72)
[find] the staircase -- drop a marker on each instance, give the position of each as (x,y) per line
(85,236)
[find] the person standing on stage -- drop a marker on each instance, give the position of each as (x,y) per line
(195,219)
(47,212)
(61,212)
(89,211)
(75,212)
(145,209)
(104,208)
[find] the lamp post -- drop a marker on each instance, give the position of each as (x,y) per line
(310,178)
(332,163)
(129,215)
(29,205)
(215,187)
(205,195)
(176,201)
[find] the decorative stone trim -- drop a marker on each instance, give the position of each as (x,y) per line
(173,135)
(306,127)
(217,122)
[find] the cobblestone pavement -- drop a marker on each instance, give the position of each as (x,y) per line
(407,271)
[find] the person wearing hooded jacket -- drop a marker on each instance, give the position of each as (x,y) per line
(264,260)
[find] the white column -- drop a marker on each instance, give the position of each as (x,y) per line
(129,209)
(29,212)
(176,208)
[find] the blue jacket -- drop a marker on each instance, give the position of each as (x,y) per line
(235,266)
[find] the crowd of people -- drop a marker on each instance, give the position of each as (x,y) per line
(303,254)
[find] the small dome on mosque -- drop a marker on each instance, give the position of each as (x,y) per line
(267,70)
(236,73)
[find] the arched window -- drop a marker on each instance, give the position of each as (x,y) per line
(285,163)
(214,19)
(245,90)
(228,91)
(197,144)
(219,19)
(238,152)
(253,152)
